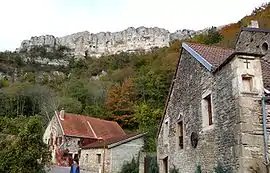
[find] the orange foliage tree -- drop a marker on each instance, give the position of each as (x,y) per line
(120,101)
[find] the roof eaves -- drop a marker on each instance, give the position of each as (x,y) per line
(80,136)
(125,140)
(59,121)
(232,56)
(198,57)
(255,29)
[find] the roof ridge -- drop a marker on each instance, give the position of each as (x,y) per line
(213,46)
(88,116)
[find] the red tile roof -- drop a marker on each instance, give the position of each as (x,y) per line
(101,143)
(266,73)
(217,55)
(89,127)
(213,54)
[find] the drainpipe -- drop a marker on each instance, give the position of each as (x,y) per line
(265,135)
(103,163)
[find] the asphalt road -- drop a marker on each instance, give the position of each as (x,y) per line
(58,169)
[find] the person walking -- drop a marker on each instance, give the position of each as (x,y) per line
(75,167)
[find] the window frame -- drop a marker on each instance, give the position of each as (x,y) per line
(99,158)
(180,134)
(250,79)
(166,131)
(207,110)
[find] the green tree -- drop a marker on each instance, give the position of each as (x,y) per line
(98,111)
(70,105)
(148,119)
(23,151)
(211,37)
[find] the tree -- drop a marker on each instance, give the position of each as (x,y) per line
(70,105)
(23,151)
(211,37)
(121,98)
(98,111)
(148,119)
(152,86)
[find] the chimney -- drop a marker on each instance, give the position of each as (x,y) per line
(62,114)
(253,24)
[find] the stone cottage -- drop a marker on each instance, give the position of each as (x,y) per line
(110,154)
(67,133)
(216,110)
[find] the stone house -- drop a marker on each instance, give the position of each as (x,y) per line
(216,111)
(67,133)
(111,154)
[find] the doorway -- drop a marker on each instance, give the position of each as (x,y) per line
(165,165)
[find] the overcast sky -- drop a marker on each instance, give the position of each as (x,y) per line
(21,19)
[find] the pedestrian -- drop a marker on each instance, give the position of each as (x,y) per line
(75,167)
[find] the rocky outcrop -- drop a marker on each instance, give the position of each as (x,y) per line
(105,43)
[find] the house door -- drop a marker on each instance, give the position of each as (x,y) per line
(165,165)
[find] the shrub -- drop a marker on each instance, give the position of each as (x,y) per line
(174,170)
(130,167)
(220,169)
(198,169)
(153,168)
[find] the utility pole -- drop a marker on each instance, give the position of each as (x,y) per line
(103,164)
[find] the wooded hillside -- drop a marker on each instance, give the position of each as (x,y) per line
(128,88)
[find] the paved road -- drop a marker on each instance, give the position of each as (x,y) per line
(58,169)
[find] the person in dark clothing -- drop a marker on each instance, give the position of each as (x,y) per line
(75,167)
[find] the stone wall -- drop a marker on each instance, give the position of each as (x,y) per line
(124,153)
(250,148)
(114,157)
(216,141)
(52,133)
(89,160)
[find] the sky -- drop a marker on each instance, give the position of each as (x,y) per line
(22,19)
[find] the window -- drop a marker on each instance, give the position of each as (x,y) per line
(86,158)
(165,165)
(60,140)
(207,111)
(98,158)
(51,140)
(166,131)
(247,83)
(265,47)
(180,135)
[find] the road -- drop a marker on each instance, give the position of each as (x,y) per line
(58,169)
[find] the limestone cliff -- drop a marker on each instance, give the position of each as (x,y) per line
(129,40)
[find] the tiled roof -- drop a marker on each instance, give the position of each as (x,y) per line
(101,143)
(266,73)
(217,55)
(89,127)
(213,54)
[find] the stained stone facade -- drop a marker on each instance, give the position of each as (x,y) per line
(216,97)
